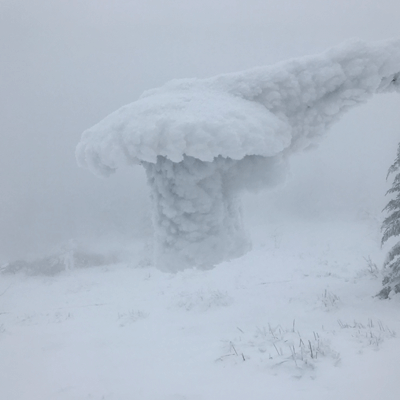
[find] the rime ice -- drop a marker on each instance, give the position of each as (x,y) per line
(202,141)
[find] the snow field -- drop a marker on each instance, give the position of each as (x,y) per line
(125,331)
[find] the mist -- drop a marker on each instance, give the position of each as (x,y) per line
(65,65)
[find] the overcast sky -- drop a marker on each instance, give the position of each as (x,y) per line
(66,64)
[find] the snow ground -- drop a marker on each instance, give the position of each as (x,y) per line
(293,319)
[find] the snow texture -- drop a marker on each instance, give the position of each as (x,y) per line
(191,135)
(254,328)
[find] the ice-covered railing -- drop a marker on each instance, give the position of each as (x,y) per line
(202,140)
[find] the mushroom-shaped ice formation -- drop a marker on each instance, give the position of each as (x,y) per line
(201,141)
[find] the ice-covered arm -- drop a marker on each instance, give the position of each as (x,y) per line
(265,111)
(310,93)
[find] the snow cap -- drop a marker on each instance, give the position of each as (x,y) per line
(263,111)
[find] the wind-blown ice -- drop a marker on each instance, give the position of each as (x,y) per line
(201,141)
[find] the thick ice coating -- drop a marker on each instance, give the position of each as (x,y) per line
(200,141)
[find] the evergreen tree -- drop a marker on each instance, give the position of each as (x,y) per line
(391,228)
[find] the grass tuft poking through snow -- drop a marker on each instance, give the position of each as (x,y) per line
(329,301)
(130,317)
(369,334)
(204,300)
(278,347)
(370,270)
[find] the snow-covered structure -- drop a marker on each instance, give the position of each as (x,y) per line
(203,140)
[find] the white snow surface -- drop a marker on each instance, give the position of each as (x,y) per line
(243,330)
(263,111)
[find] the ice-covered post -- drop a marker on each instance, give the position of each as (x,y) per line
(196,215)
(202,141)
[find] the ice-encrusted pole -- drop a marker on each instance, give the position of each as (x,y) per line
(202,141)
(196,215)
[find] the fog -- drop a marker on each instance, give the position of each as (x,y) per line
(65,65)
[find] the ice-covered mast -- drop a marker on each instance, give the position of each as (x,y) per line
(201,141)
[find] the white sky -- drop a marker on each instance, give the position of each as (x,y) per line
(66,64)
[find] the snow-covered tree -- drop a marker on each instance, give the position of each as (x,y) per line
(391,228)
(202,141)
